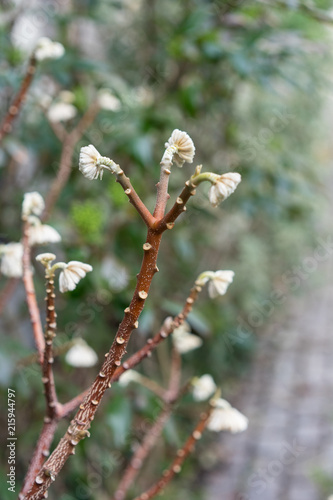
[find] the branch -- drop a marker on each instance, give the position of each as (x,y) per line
(69,142)
(166,330)
(6,125)
(79,426)
(181,455)
(31,296)
(50,329)
(153,433)
(135,199)
(177,209)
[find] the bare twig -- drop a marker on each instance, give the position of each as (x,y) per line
(31,295)
(50,333)
(152,434)
(6,125)
(181,455)
(69,142)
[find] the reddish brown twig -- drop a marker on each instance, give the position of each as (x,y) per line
(69,142)
(50,333)
(31,295)
(153,433)
(181,455)
(6,125)
(79,426)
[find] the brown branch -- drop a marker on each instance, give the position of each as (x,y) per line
(153,433)
(79,426)
(181,455)
(177,209)
(6,125)
(65,164)
(31,296)
(135,200)
(50,333)
(41,452)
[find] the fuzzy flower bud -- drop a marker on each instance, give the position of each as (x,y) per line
(108,101)
(226,418)
(71,274)
(11,260)
(183,340)
(81,355)
(41,234)
(222,187)
(47,49)
(128,377)
(91,163)
(218,282)
(203,387)
(180,147)
(33,204)
(61,112)
(45,258)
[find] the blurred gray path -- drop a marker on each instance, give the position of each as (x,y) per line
(287,452)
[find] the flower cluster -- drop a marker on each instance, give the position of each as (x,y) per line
(222,187)
(226,418)
(218,282)
(47,49)
(81,355)
(183,340)
(179,148)
(91,163)
(71,273)
(11,260)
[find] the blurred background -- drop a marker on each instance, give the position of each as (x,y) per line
(251,84)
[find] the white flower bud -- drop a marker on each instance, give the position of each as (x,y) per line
(45,258)
(81,355)
(226,418)
(61,112)
(129,376)
(183,340)
(223,186)
(11,260)
(47,49)
(203,387)
(219,281)
(41,234)
(108,101)
(91,163)
(71,274)
(33,203)
(181,147)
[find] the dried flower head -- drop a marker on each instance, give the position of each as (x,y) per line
(81,355)
(218,281)
(33,204)
(182,147)
(91,163)
(203,387)
(226,418)
(71,274)
(61,112)
(184,341)
(128,377)
(11,260)
(41,234)
(222,187)
(47,49)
